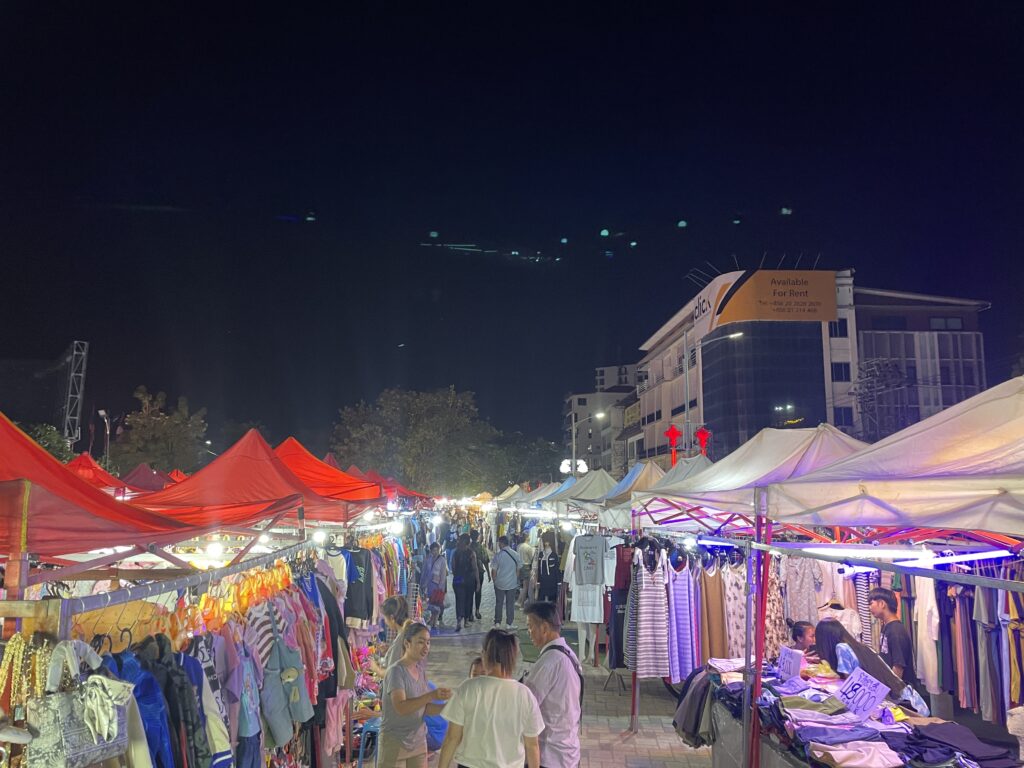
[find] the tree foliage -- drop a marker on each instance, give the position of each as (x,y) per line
(434,442)
(164,440)
(50,438)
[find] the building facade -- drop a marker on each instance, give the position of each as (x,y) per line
(608,376)
(787,349)
(594,434)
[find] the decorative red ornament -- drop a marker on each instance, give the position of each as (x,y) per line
(673,436)
(703,435)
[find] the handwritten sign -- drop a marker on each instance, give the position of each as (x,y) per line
(861,693)
(789,662)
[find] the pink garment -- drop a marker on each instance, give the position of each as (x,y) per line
(334,730)
(856,754)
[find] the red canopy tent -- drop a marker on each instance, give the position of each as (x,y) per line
(177,475)
(354,471)
(50,511)
(246,484)
(145,478)
(392,487)
(321,477)
(87,468)
(330,461)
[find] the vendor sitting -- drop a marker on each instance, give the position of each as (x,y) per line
(802,633)
(845,654)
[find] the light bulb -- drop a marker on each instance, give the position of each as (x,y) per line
(214,549)
(264,539)
(320,537)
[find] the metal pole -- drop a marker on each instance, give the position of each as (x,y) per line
(686,389)
(119,596)
(573,465)
(748,672)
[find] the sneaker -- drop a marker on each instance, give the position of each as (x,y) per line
(511,627)
(478,616)
(497,625)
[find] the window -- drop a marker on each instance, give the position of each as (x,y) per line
(946,323)
(843,416)
(889,323)
(911,373)
(693,357)
(693,403)
(581,401)
(657,415)
(838,329)
(955,323)
(840,371)
(937,323)
(968,376)
(678,409)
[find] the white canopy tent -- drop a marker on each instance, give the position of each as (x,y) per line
(961,469)
(614,507)
(533,497)
(506,494)
(683,469)
(582,493)
(771,456)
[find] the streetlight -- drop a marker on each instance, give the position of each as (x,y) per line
(599,415)
(106,438)
(686,379)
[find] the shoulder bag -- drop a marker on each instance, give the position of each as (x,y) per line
(81,727)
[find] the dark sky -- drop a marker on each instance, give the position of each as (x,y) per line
(157,163)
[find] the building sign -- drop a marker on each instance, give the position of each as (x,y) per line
(765,295)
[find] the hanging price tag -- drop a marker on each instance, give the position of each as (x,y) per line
(861,693)
(789,662)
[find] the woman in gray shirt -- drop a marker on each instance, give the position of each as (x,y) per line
(406,698)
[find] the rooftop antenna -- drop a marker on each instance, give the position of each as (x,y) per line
(763,257)
(797,265)
(736,262)
(697,281)
(780,261)
(817,260)
(703,274)
(717,270)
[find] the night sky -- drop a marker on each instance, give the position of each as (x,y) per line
(157,166)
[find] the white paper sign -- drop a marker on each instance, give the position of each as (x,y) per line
(789,662)
(861,693)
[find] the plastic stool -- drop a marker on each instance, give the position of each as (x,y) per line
(370,726)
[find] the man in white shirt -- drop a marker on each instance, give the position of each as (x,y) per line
(556,680)
(505,567)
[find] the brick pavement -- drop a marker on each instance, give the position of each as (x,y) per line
(606,741)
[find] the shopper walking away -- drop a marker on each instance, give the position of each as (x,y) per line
(465,575)
(493,721)
(505,574)
(483,562)
(526,552)
(406,698)
(556,681)
(434,584)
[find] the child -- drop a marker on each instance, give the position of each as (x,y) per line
(476,667)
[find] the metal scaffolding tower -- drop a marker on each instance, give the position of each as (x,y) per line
(71,413)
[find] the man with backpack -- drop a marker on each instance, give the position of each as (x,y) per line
(505,567)
(556,680)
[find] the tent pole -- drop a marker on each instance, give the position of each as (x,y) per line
(748,679)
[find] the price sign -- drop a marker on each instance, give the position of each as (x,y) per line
(789,662)
(861,693)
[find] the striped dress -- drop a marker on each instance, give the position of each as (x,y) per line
(652,615)
(680,637)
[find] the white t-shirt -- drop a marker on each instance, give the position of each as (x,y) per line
(495,715)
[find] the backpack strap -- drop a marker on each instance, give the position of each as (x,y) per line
(579,672)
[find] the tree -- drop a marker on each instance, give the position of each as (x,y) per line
(164,440)
(50,438)
(436,442)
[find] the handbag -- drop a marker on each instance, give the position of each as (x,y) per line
(283,698)
(81,727)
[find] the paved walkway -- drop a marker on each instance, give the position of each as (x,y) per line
(606,741)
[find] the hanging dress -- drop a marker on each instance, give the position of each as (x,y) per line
(652,614)
(713,630)
(680,624)
(735,579)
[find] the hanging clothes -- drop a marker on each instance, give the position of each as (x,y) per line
(680,624)
(652,614)
(714,642)
(801,579)
(734,580)
(776,633)
(927,615)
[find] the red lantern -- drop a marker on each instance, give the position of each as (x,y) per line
(673,436)
(703,435)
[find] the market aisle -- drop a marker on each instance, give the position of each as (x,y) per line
(606,741)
